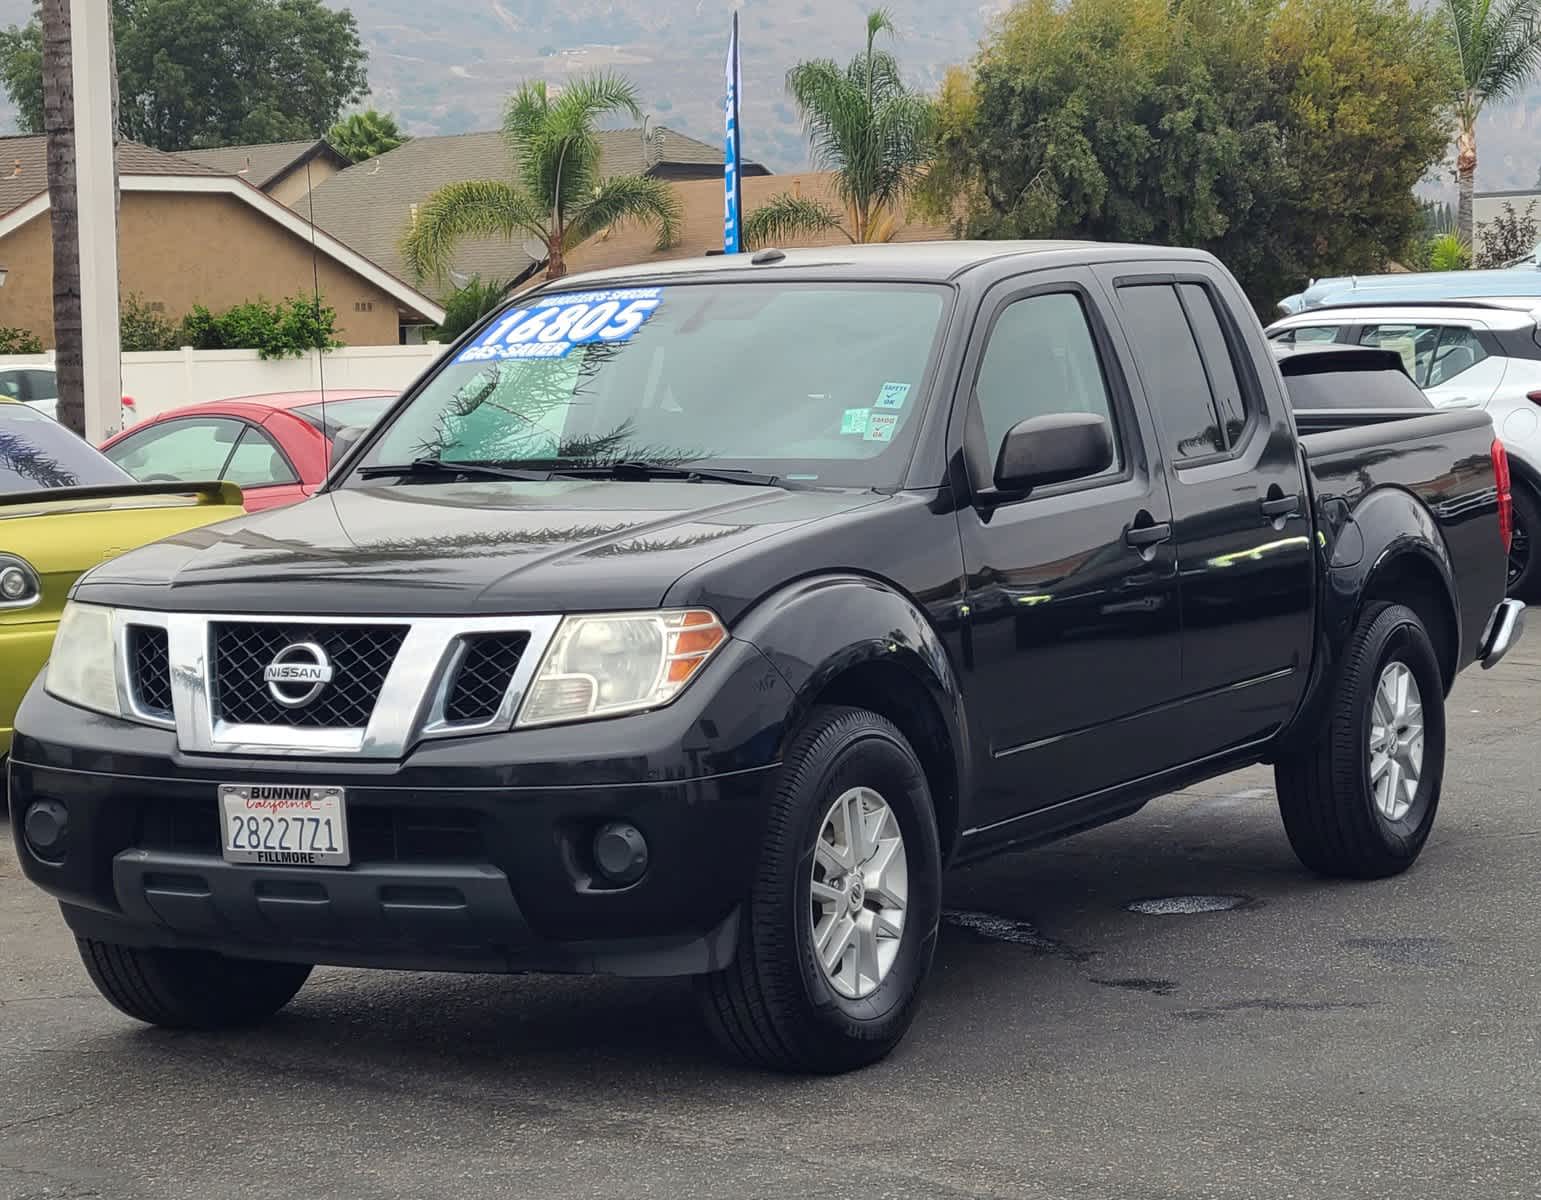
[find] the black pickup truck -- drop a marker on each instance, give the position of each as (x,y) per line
(691,619)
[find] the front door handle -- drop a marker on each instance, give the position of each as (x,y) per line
(1280,506)
(1140,536)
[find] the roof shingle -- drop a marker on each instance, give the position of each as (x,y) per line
(24,166)
(369,206)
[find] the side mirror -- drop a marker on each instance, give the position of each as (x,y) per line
(1053,448)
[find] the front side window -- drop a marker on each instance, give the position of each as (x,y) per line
(186,451)
(1306,335)
(1041,359)
(802,380)
(42,385)
(257,462)
(37,452)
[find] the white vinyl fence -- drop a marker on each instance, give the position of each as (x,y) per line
(163,380)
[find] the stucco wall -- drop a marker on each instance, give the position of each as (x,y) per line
(181,250)
(292,188)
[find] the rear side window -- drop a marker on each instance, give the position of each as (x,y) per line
(1432,354)
(1172,371)
(257,462)
(1224,383)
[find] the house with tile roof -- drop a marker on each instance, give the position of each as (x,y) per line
(191,233)
(287,171)
(371,205)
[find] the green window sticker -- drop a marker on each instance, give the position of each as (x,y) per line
(892,395)
(854,420)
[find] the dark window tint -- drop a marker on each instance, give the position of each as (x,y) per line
(1041,359)
(1171,370)
(257,462)
(1355,389)
(1224,382)
(37,452)
(186,451)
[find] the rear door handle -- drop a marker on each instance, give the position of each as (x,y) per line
(1140,536)
(1280,506)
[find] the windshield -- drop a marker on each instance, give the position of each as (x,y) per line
(37,452)
(334,416)
(818,382)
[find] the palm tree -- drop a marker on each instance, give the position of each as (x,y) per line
(559,197)
(1497,45)
(365,134)
(63,211)
(869,129)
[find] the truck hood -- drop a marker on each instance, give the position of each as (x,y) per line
(460,548)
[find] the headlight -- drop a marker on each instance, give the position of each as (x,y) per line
(19,585)
(82,669)
(613,663)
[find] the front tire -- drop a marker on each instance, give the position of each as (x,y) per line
(1359,803)
(837,936)
(189,989)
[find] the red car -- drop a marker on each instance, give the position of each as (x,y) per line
(276,446)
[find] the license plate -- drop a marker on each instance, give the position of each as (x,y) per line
(284,826)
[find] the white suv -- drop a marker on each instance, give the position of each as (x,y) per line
(1463,354)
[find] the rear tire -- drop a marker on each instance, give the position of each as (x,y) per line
(190,989)
(1360,801)
(1524,572)
(818,896)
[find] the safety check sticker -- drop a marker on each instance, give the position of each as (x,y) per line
(892,395)
(550,326)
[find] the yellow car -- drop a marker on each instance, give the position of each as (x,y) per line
(64,508)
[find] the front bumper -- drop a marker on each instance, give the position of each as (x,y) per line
(469,854)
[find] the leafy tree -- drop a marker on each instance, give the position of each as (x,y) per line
(286,329)
(1496,45)
(142,328)
(866,127)
(1284,137)
(559,197)
(195,73)
(1509,236)
(365,134)
(19,341)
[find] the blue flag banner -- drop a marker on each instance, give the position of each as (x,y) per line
(733,203)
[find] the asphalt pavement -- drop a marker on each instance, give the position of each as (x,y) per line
(1314,1039)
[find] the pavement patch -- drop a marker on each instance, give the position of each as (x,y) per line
(1009,929)
(1182,906)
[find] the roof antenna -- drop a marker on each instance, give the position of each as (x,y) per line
(315,291)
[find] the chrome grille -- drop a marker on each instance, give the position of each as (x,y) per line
(360,656)
(486,670)
(150,664)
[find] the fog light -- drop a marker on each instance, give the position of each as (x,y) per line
(14,584)
(45,826)
(620,852)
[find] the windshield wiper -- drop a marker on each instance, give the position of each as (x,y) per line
(633,469)
(446,469)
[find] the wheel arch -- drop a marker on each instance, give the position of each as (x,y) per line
(857,641)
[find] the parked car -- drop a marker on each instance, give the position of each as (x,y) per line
(1464,354)
(63,509)
(1512,283)
(666,650)
(38,387)
(277,447)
